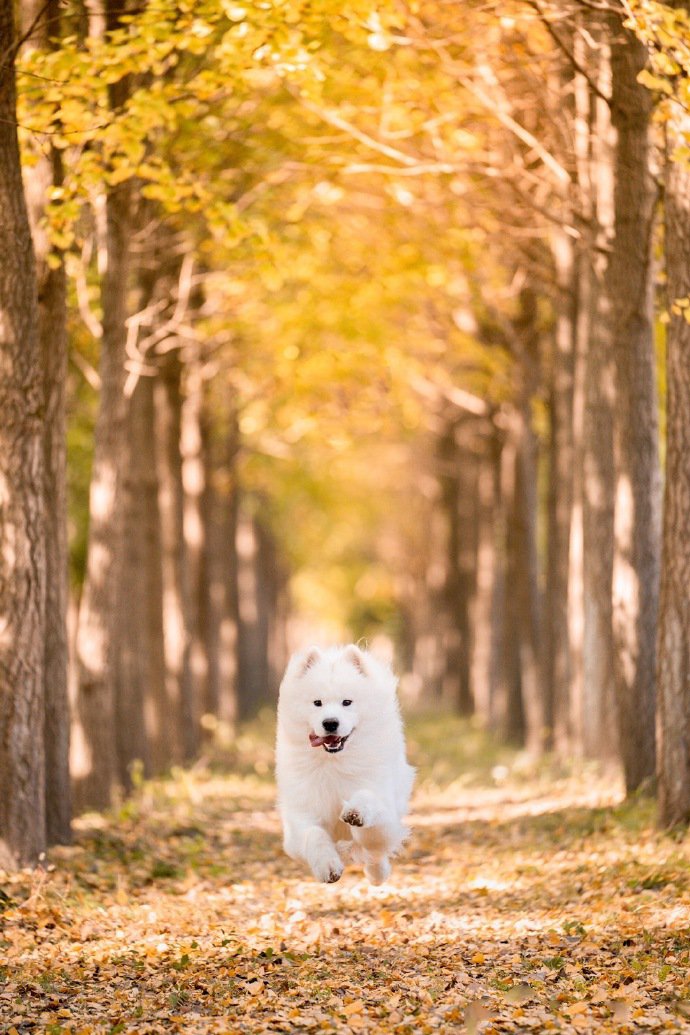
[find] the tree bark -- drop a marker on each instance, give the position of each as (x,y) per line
(599,725)
(22,501)
(52,315)
(145,718)
(455,595)
(509,716)
(193,475)
(637,505)
(556,646)
(253,667)
(176,605)
(94,754)
(524,712)
(673,667)
(486,566)
(219,509)
(500,446)
(526,581)
(53,339)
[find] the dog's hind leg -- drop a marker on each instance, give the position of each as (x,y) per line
(377,867)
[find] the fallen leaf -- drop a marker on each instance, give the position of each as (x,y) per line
(519,994)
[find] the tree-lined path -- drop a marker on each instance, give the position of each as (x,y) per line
(523,902)
(320,321)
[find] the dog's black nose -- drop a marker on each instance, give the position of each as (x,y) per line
(330,725)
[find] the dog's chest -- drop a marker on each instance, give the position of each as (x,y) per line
(332,785)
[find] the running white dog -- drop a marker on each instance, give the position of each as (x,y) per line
(343,778)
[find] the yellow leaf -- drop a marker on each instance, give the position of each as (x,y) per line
(355,1007)
(478,957)
(519,994)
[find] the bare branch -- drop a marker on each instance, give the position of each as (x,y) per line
(90,374)
(333,119)
(579,68)
(457,396)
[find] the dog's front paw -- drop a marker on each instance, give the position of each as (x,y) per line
(362,809)
(353,817)
(328,871)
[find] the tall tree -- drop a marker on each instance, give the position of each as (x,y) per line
(638,489)
(41,24)
(599,726)
(673,672)
(22,501)
(176,632)
(95,710)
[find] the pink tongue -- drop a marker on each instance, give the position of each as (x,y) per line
(317,741)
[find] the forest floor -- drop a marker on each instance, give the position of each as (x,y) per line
(524,902)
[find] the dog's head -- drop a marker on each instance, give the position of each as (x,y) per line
(327,696)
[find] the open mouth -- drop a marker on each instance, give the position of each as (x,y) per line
(331,743)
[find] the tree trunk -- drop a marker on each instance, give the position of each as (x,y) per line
(273,581)
(500,446)
(486,567)
(253,667)
(219,506)
(176,605)
(454,596)
(96,772)
(52,315)
(599,726)
(524,712)
(145,718)
(556,648)
(508,705)
(53,338)
(673,671)
(637,506)
(193,474)
(22,504)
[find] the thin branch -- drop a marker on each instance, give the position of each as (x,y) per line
(579,68)
(333,119)
(457,396)
(89,373)
(417,170)
(499,108)
(139,351)
(10,54)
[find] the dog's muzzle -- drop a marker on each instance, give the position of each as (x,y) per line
(331,743)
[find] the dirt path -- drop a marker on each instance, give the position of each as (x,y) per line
(524,907)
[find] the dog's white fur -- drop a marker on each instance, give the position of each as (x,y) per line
(349,802)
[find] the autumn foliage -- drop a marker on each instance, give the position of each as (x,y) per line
(325,322)
(524,901)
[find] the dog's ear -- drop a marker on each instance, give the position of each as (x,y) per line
(308,661)
(354,657)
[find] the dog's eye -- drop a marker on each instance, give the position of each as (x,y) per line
(346,703)
(317,703)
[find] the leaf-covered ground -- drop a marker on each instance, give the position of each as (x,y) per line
(523,902)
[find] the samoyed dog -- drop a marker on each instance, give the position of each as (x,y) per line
(343,778)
